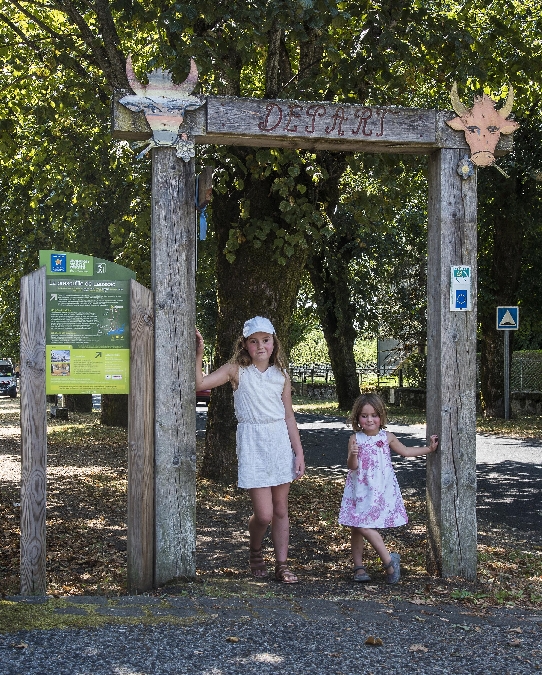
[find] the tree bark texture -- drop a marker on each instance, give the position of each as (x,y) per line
(114,411)
(253,284)
(78,402)
(328,267)
(337,314)
(451,372)
(173,281)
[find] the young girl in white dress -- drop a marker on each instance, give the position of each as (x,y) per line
(269,451)
(372,498)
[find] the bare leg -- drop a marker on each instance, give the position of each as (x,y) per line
(262,504)
(376,541)
(271,504)
(280,525)
(357,542)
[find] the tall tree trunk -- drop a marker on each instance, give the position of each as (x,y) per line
(337,314)
(328,267)
(253,284)
(78,402)
(114,410)
(506,226)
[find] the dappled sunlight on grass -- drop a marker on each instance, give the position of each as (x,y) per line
(527,426)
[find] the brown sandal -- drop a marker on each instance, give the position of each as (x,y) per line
(257,563)
(283,574)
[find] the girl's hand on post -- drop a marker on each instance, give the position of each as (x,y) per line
(199,343)
(433,443)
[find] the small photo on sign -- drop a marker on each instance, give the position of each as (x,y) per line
(60,362)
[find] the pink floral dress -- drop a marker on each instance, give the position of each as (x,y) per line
(372,497)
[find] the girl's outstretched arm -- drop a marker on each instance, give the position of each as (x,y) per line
(291,425)
(226,373)
(396,445)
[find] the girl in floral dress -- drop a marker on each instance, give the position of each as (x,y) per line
(372,498)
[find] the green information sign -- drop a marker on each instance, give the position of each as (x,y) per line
(87,324)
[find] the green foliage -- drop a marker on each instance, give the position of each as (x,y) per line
(313,349)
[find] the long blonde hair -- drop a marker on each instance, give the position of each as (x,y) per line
(241,357)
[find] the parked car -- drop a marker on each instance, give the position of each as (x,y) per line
(8,379)
(203,396)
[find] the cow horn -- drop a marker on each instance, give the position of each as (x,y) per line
(507,107)
(457,105)
(188,85)
(136,85)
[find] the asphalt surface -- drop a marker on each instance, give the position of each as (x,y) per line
(308,637)
(220,636)
(509,471)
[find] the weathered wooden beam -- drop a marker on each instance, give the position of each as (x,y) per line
(173,283)
(308,125)
(141,441)
(33,434)
(451,372)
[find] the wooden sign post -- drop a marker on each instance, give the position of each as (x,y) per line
(33,434)
(451,408)
(173,283)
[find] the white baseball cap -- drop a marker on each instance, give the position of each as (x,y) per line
(258,324)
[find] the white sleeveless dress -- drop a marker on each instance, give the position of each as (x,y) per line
(264,452)
(372,497)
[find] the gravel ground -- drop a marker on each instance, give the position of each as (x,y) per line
(261,636)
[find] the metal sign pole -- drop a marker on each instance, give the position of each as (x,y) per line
(506,375)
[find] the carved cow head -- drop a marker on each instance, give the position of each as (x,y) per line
(163,102)
(482,124)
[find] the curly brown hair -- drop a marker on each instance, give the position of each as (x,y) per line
(368,399)
(241,357)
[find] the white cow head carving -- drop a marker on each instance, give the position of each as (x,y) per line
(164,104)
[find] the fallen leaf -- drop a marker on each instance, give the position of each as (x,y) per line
(515,630)
(417,648)
(374,641)
(515,643)
(21,645)
(232,639)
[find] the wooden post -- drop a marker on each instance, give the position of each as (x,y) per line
(33,434)
(173,283)
(451,372)
(141,441)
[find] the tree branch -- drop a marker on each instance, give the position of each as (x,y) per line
(272,67)
(111,42)
(100,54)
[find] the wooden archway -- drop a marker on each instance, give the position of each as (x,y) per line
(170,436)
